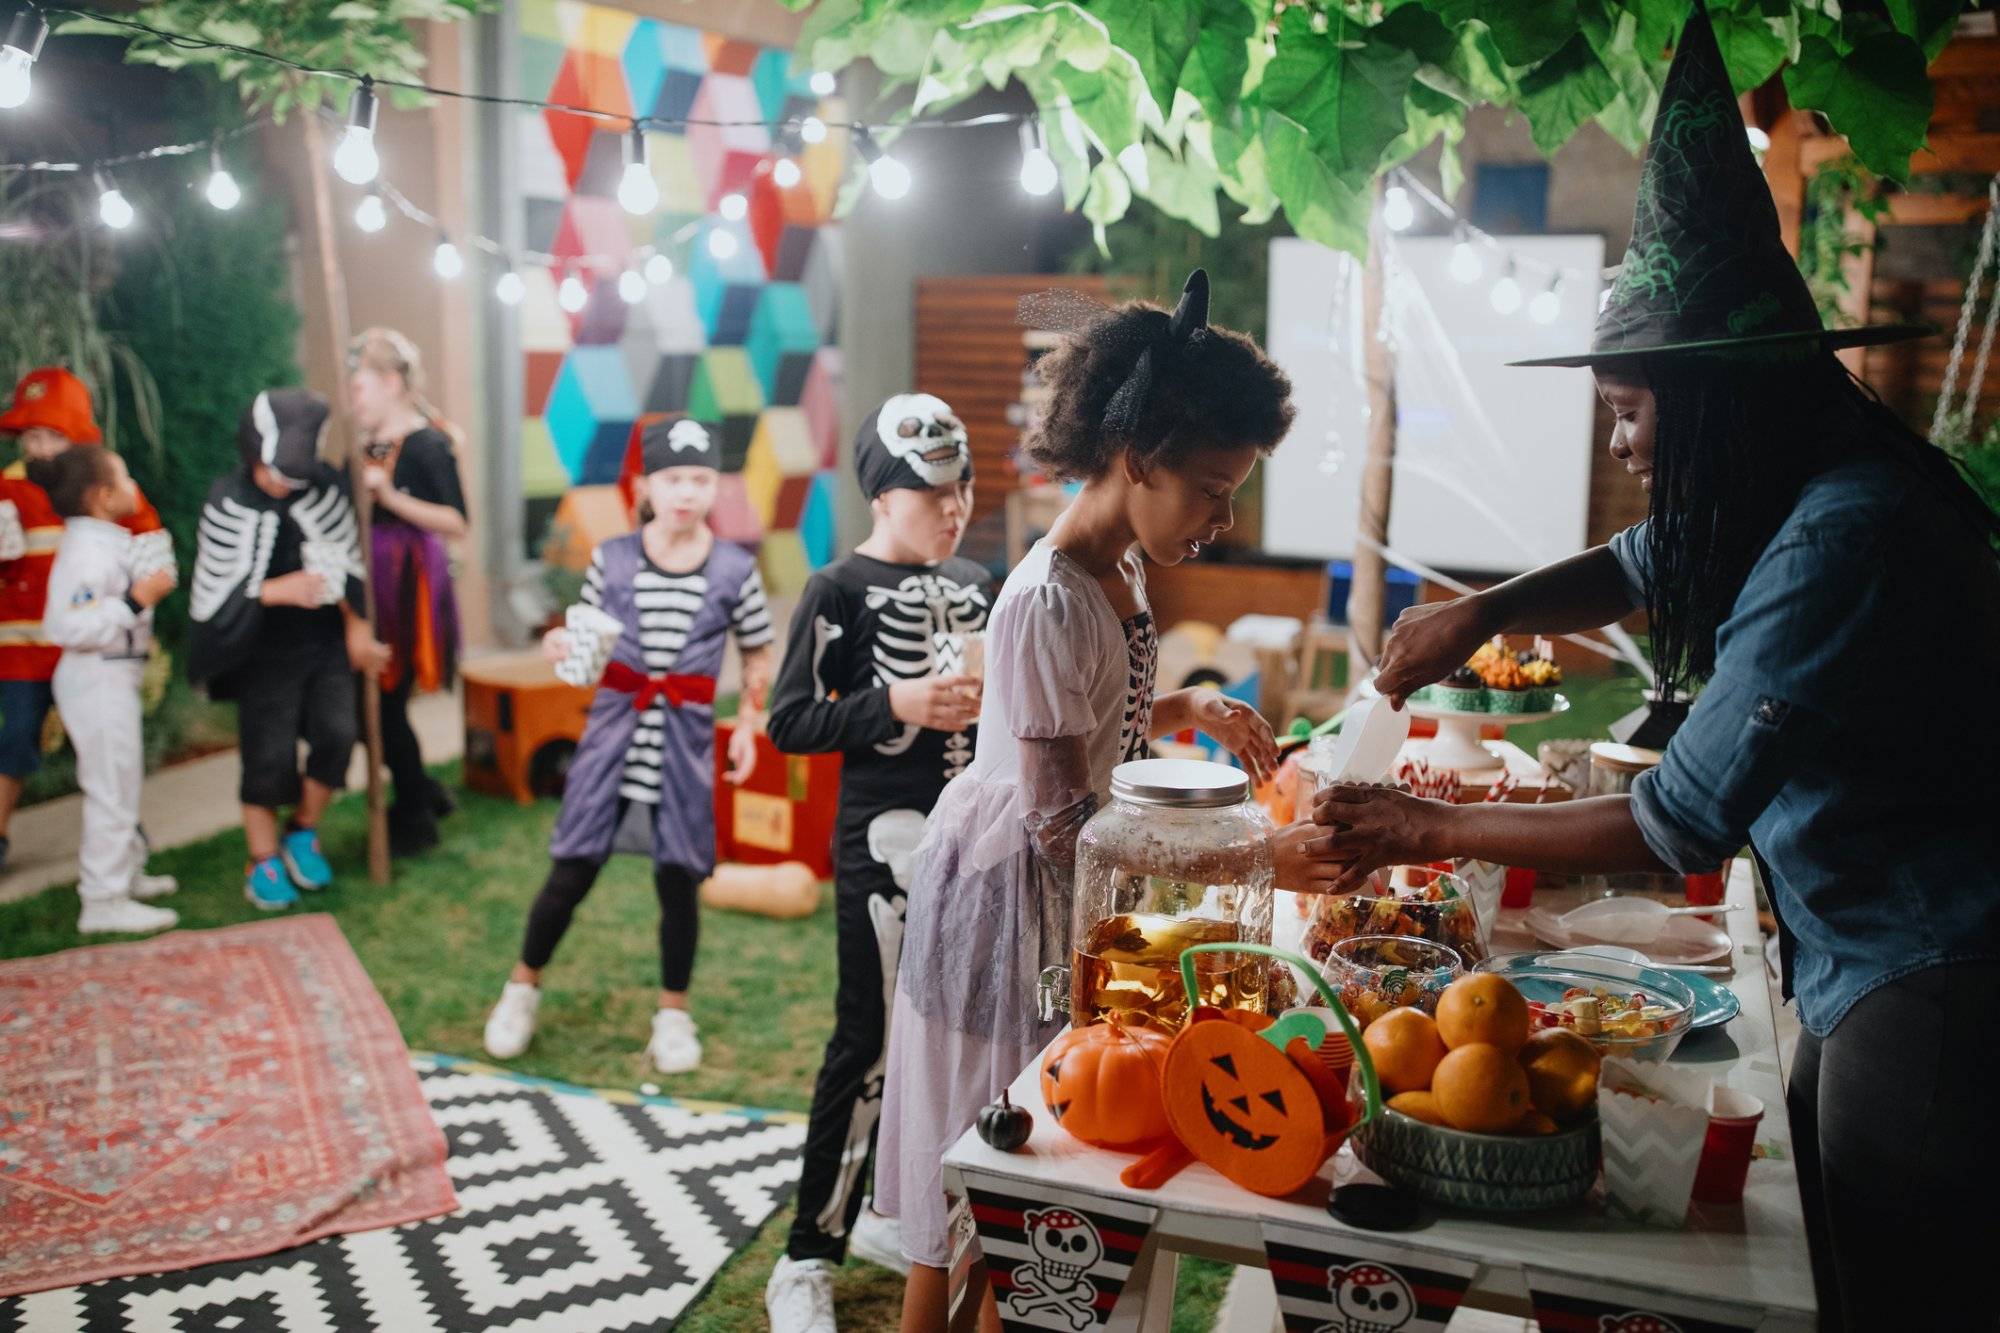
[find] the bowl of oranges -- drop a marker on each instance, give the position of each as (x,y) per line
(1483,1111)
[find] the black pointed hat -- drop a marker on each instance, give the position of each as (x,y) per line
(1707,269)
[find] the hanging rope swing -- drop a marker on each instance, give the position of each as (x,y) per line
(1956,431)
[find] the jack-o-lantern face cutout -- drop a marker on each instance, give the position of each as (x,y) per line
(1239,1105)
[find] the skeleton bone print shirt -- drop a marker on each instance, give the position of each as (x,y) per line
(861,626)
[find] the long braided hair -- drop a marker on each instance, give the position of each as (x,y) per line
(1735,441)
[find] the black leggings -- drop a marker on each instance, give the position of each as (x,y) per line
(571,877)
(1894,1127)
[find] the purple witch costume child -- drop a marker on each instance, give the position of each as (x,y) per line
(642,779)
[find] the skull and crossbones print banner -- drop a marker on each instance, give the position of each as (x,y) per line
(1331,1282)
(1057,1260)
(1565,1303)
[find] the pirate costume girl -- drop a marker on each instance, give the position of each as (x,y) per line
(642,781)
(862,625)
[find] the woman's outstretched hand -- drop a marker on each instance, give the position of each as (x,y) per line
(1426,644)
(1371,827)
(1237,728)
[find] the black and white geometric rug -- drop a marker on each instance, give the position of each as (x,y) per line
(580,1213)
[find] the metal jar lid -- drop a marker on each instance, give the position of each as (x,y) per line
(1183,784)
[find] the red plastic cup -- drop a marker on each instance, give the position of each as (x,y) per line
(1705,890)
(1518,890)
(1725,1154)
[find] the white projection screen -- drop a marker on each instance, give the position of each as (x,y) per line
(1493,463)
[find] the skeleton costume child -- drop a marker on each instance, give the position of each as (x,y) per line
(642,780)
(861,626)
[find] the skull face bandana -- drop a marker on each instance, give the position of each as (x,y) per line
(914,441)
(677,443)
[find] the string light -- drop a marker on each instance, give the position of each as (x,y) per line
(659,269)
(733,207)
(638,192)
(113,209)
(631,286)
(823,83)
(1547,305)
(890,178)
(355,160)
(785,173)
(722,243)
(1465,265)
(812,130)
(1506,294)
(369,215)
(1398,213)
(508,288)
(222,190)
(446,261)
(18,53)
(572,295)
(1038,169)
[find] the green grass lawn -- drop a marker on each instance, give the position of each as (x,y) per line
(438,943)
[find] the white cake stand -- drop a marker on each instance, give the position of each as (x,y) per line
(1457,744)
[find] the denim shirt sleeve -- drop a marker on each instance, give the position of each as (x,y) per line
(1629,547)
(1784,680)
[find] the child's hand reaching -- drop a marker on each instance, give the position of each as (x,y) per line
(941,703)
(1301,858)
(742,752)
(1238,728)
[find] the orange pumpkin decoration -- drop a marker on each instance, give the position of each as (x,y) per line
(1241,1106)
(1102,1084)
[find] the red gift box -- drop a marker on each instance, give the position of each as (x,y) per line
(783,813)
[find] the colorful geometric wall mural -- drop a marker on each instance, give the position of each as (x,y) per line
(743,343)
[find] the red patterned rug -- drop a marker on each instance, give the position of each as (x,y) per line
(202,1096)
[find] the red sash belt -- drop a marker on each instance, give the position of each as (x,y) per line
(675,689)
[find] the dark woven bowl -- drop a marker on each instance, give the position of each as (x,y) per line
(1489,1173)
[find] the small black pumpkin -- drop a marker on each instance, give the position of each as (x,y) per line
(1004,1125)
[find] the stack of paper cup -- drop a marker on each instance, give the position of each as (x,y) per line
(960,654)
(1654,1120)
(151,553)
(592,634)
(13,538)
(332,563)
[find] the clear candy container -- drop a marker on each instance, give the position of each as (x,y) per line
(1181,856)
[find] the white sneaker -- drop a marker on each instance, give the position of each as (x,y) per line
(878,1239)
(799,1296)
(674,1047)
(511,1025)
(122,916)
(153,886)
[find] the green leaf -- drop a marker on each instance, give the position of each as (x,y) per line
(1753,47)
(353,11)
(1158,34)
(1106,101)
(1528,31)
(1929,23)
(1182,189)
(1878,95)
(1109,198)
(1318,203)
(1432,115)
(1237,149)
(1219,65)
(1563,92)
(1344,89)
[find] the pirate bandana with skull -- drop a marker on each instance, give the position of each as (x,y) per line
(1371,1299)
(678,442)
(914,441)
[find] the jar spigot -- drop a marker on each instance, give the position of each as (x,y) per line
(1052,993)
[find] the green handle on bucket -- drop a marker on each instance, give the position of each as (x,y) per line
(1371,1089)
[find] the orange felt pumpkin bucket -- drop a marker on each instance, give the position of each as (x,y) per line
(1243,1094)
(1102,1084)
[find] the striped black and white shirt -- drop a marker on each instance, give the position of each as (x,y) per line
(667,604)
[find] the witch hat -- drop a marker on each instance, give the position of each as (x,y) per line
(1707,269)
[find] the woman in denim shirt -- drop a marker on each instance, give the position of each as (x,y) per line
(1803,549)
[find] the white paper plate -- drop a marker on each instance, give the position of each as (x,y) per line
(1687,939)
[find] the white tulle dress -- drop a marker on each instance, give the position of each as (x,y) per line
(1069,691)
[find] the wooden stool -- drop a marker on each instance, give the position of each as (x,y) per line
(521,726)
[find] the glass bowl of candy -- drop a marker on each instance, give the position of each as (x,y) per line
(1373,974)
(1623,1009)
(1417,902)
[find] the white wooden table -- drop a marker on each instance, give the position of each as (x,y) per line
(1753,1255)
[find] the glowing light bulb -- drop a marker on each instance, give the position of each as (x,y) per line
(631,286)
(572,295)
(1506,294)
(1547,305)
(733,207)
(722,243)
(890,178)
(222,190)
(355,160)
(785,173)
(659,269)
(509,289)
(812,130)
(114,210)
(823,83)
(369,215)
(25,35)
(1465,265)
(1398,213)
(1038,169)
(446,261)
(638,192)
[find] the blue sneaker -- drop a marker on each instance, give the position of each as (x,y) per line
(267,888)
(303,860)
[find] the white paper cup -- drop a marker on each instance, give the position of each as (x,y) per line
(591,635)
(13,538)
(151,553)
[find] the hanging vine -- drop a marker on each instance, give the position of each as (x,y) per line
(1841,190)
